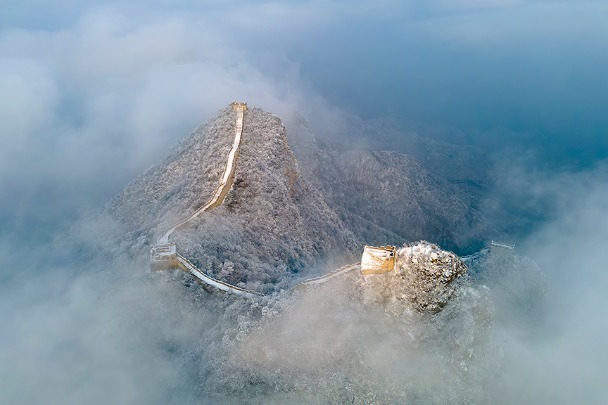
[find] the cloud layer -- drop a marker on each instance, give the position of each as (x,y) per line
(111,333)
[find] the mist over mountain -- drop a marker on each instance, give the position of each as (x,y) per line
(490,116)
(281,218)
(386,194)
(272,222)
(345,340)
(275,220)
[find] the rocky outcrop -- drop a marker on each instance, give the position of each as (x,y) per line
(424,279)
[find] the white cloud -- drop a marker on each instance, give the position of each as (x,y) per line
(27,103)
(566,362)
(110,93)
(508,24)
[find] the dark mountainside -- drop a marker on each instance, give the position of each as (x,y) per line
(278,221)
(450,156)
(386,195)
(483,180)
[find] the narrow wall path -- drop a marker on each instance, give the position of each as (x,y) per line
(216,200)
(227,179)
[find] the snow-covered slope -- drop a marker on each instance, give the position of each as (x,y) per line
(277,220)
(272,223)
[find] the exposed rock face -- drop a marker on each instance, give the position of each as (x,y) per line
(429,274)
(424,279)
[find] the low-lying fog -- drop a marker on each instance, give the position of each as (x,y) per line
(112,333)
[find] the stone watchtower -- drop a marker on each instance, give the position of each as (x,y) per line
(378,260)
(238,105)
(163,257)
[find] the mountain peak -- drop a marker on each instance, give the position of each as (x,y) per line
(271,221)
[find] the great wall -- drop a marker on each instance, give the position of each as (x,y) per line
(164,255)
